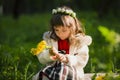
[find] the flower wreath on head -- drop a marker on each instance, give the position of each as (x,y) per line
(64,11)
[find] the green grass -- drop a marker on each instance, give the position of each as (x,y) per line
(17,37)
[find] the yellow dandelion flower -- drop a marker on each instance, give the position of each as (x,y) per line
(40,47)
(42,43)
(100,77)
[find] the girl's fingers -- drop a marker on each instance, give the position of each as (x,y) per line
(53,51)
(56,56)
(53,57)
(62,58)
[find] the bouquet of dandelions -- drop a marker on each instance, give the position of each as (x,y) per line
(40,48)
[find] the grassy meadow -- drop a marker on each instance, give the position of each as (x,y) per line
(17,37)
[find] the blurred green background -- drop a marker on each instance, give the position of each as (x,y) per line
(22,23)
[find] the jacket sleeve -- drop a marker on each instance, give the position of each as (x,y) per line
(81,54)
(80,58)
(44,57)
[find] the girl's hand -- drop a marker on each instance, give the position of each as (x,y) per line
(62,58)
(53,51)
(57,56)
(53,57)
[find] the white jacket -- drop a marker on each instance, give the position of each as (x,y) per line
(78,56)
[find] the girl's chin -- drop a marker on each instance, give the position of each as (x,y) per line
(62,38)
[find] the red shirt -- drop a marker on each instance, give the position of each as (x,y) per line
(63,45)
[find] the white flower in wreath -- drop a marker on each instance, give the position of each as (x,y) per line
(54,11)
(69,12)
(62,10)
(59,9)
(73,14)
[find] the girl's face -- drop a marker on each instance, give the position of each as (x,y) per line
(62,32)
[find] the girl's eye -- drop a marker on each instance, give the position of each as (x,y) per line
(64,30)
(56,30)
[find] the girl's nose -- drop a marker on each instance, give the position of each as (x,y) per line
(61,34)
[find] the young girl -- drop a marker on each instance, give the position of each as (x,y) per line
(69,53)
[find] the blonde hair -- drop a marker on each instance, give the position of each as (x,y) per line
(66,20)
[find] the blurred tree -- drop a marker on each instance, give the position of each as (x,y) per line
(16,9)
(7,6)
(19,6)
(106,6)
(83,4)
(33,6)
(1,1)
(43,6)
